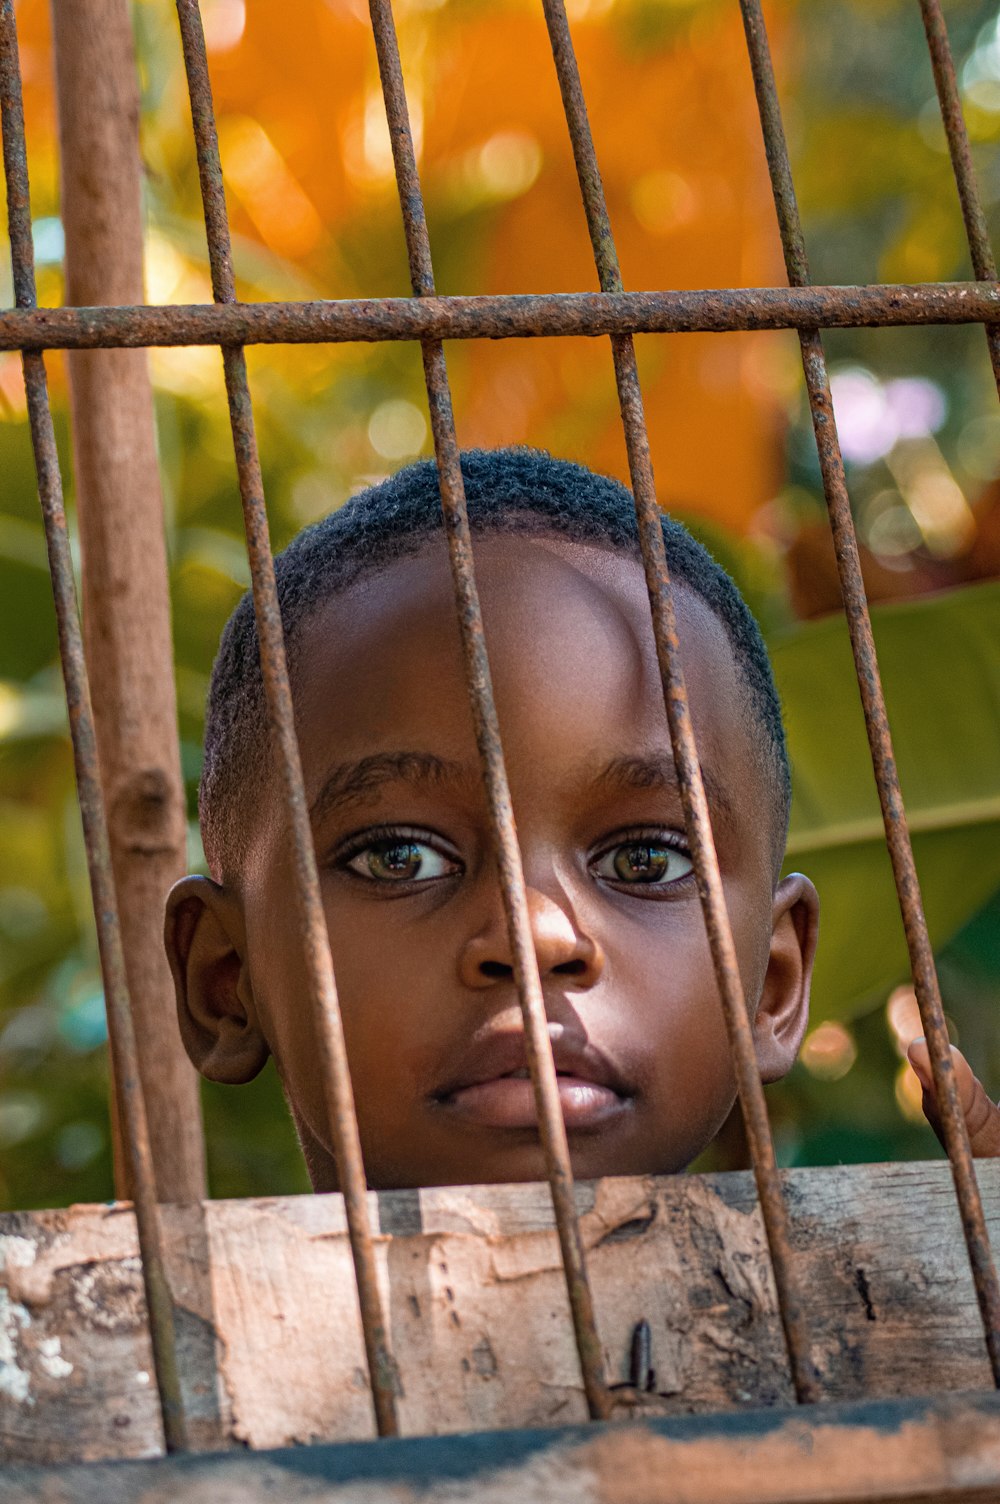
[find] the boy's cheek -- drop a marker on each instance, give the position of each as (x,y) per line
(389,1063)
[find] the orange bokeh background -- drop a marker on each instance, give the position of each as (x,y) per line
(306,155)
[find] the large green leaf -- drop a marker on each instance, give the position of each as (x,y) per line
(940,664)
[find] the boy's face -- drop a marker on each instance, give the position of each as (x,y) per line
(412,899)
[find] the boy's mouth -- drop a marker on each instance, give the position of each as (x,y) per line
(493,1087)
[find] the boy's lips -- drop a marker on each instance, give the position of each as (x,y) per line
(493,1089)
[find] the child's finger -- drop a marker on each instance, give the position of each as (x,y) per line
(982,1115)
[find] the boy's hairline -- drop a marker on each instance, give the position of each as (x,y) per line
(539,526)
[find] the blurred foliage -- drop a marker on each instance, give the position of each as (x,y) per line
(951,783)
(306,154)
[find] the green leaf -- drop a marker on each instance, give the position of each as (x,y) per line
(940,663)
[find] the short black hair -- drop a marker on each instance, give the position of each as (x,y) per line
(517,490)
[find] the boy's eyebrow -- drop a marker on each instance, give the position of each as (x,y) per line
(657,771)
(351,781)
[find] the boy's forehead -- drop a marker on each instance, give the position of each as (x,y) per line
(571,650)
(546,586)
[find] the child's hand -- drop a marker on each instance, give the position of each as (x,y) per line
(982,1116)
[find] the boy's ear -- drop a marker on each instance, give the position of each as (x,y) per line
(206,944)
(783,1011)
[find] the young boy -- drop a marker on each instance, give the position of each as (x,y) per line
(413,905)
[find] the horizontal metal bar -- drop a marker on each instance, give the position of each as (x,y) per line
(542,315)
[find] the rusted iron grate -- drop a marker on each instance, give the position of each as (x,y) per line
(432,319)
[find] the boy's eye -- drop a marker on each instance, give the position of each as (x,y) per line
(396,859)
(647,862)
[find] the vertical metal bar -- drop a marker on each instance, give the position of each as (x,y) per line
(872,698)
(120,1027)
(552,1128)
(696,812)
(342,1117)
(125,594)
(983,261)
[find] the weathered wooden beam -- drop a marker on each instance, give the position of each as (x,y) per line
(270,1341)
(908,1451)
(126,607)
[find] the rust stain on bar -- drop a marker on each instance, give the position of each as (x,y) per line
(508,316)
(124,1052)
(329,1026)
(696,812)
(983,261)
(876,719)
(552,1128)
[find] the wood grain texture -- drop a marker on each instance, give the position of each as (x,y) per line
(271,1342)
(126,611)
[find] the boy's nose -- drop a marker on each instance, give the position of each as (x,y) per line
(561,947)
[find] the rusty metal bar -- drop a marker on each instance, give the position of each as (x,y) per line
(552,1128)
(343,1123)
(513,316)
(876,720)
(983,261)
(124,1052)
(696,813)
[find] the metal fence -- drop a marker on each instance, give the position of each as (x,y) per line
(432,320)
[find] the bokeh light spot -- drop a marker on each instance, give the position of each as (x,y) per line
(224,22)
(22,1113)
(397,429)
(909,1094)
(829,1051)
(78,1144)
(979,447)
(83,1024)
(872,416)
(903,1017)
(509,163)
(663,202)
